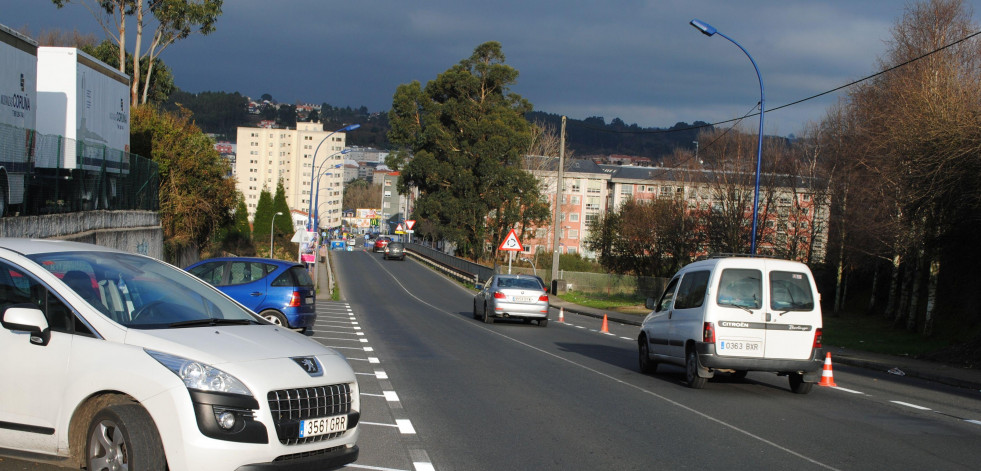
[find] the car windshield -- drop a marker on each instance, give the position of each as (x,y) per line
(140,292)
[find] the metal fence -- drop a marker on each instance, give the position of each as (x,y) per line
(46,174)
(643,286)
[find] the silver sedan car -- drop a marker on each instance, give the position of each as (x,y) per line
(512,296)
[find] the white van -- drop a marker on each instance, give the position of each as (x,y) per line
(111,360)
(736,314)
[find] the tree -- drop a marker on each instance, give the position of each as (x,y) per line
(466,134)
(195,197)
(284,224)
(161,82)
(262,219)
(176,19)
(361,194)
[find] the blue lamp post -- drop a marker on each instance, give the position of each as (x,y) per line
(709,30)
(349,127)
(316,199)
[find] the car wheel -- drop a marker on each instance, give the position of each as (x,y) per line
(542,322)
(275,317)
(798,385)
(691,371)
(123,436)
(647,366)
(487,319)
(475,315)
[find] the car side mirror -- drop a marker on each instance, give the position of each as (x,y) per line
(27,318)
(649,304)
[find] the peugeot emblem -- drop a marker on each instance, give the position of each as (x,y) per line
(309,364)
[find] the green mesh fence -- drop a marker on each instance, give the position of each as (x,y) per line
(45,174)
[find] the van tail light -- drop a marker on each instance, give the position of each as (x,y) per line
(818,337)
(295,299)
(499,295)
(708,332)
(543,298)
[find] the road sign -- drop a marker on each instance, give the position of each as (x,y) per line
(409,224)
(511,242)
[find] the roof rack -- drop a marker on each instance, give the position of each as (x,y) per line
(730,255)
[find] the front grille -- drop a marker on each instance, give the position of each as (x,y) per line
(290,406)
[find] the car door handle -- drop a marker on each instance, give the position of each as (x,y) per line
(255,293)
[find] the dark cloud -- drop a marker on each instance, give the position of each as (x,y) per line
(637,60)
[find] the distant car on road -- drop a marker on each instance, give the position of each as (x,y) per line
(394,250)
(512,296)
(282,292)
(381,243)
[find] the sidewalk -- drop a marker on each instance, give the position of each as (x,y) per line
(969,378)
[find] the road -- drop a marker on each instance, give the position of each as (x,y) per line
(515,396)
(443,391)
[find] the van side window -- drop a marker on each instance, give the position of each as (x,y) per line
(17,287)
(691,293)
(667,298)
(740,287)
(790,291)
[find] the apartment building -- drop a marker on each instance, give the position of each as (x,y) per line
(268,155)
(795,219)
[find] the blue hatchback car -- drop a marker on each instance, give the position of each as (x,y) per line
(281,292)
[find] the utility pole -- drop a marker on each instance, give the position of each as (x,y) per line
(557,214)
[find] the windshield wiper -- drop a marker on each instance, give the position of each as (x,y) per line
(739,306)
(212,322)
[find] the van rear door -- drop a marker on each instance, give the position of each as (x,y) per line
(792,310)
(740,328)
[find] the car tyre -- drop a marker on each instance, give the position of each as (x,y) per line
(646,364)
(275,317)
(691,371)
(123,436)
(797,384)
(487,318)
(475,315)
(542,322)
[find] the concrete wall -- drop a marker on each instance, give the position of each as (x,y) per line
(130,231)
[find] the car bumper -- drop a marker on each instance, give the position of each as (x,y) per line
(301,319)
(708,358)
(329,459)
(521,310)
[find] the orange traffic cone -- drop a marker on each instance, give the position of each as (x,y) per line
(827,378)
(561,314)
(606,328)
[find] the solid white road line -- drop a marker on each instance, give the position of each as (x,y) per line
(910,405)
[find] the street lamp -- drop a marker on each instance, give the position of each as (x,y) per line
(313,162)
(709,30)
(317,174)
(271,224)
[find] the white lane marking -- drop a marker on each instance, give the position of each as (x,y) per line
(381,374)
(341,340)
(335,332)
(620,381)
(369,395)
(910,405)
(373,360)
(423,466)
(375,468)
(975,422)
(848,390)
(405,426)
(390,396)
(369,349)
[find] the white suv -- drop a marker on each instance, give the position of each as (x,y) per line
(112,360)
(736,314)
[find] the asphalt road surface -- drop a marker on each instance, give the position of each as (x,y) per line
(443,391)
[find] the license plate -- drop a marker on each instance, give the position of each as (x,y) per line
(739,346)
(523,299)
(310,300)
(322,426)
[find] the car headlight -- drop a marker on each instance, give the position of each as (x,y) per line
(200,376)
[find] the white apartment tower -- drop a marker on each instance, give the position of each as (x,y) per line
(266,156)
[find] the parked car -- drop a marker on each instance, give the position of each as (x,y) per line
(511,296)
(380,243)
(114,360)
(737,314)
(281,292)
(394,250)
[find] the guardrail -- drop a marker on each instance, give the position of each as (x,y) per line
(464,269)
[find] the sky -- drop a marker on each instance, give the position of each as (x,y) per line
(637,60)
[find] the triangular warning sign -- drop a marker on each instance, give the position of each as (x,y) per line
(399,228)
(511,242)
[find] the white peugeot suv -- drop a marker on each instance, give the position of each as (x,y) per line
(111,360)
(736,314)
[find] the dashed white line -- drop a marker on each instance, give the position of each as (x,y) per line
(848,390)
(405,426)
(391,396)
(914,406)
(975,422)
